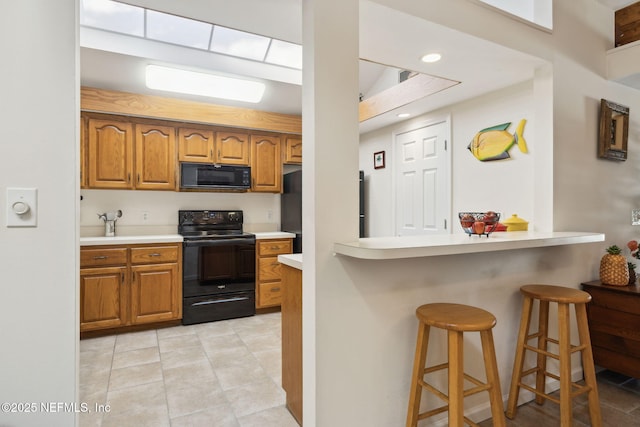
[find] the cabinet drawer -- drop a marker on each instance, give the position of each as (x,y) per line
(275,247)
(103,256)
(618,301)
(154,254)
(269,269)
(270,293)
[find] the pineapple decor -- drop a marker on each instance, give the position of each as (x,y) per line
(632,273)
(614,269)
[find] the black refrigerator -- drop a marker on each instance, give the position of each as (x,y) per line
(291,207)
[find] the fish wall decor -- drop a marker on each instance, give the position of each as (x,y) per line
(494,143)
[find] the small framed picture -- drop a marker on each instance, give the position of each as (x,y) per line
(378,160)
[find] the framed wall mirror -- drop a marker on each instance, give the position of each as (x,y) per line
(614,131)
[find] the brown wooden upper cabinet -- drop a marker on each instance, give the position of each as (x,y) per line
(232,148)
(293,150)
(195,145)
(110,154)
(111,146)
(207,146)
(155,157)
(266,164)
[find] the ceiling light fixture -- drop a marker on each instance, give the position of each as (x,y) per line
(194,83)
(403,115)
(431,57)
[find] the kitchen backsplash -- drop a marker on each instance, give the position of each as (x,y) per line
(156,212)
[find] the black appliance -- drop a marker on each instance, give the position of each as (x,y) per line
(361,210)
(218,264)
(208,176)
(291,207)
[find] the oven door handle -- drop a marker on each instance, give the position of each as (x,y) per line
(219,242)
(219,301)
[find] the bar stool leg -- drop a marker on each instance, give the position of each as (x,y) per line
(419,362)
(491,367)
(587,365)
(543,330)
(518,364)
(456,379)
(566,412)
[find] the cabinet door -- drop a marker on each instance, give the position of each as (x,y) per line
(293,150)
(156,293)
(195,145)
(266,165)
(155,157)
(83,153)
(232,148)
(103,299)
(110,154)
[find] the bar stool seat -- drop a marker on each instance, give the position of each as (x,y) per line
(564,297)
(455,319)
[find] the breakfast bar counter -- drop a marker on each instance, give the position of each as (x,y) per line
(453,244)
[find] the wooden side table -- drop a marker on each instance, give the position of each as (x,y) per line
(614,325)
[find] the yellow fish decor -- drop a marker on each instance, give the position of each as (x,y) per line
(495,142)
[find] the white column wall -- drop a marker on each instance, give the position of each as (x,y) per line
(330,197)
(39,268)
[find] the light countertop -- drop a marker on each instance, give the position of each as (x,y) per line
(452,244)
(164,238)
(130,240)
(292,260)
(274,235)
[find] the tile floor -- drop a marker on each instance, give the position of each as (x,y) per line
(219,374)
(619,402)
(227,374)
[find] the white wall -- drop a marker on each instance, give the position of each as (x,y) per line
(372,304)
(261,210)
(505,186)
(39,112)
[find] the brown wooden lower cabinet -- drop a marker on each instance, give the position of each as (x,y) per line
(614,326)
(268,272)
(292,339)
(129,285)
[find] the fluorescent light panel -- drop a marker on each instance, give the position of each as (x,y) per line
(194,83)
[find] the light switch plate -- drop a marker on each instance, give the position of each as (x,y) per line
(22,207)
(635,217)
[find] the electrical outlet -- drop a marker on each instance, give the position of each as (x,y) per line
(269,214)
(635,216)
(145,216)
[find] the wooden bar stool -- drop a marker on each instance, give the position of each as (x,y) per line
(568,390)
(455,319)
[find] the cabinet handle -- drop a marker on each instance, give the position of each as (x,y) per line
(275,289)
(154,254)
(138,178)
(218,153)
(275,264)
(129,177)
(122,277)
(211,153)
(100,257)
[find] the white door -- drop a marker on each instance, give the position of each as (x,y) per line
(422,177)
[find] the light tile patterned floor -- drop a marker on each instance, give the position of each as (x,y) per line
(219,374)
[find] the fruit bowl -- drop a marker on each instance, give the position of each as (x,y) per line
(479,223)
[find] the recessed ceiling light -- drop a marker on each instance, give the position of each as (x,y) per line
(431,57)
(194,83)
(403,115)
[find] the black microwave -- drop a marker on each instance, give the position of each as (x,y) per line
(217,177)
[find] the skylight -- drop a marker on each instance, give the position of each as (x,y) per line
(136,21)
(177,30)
